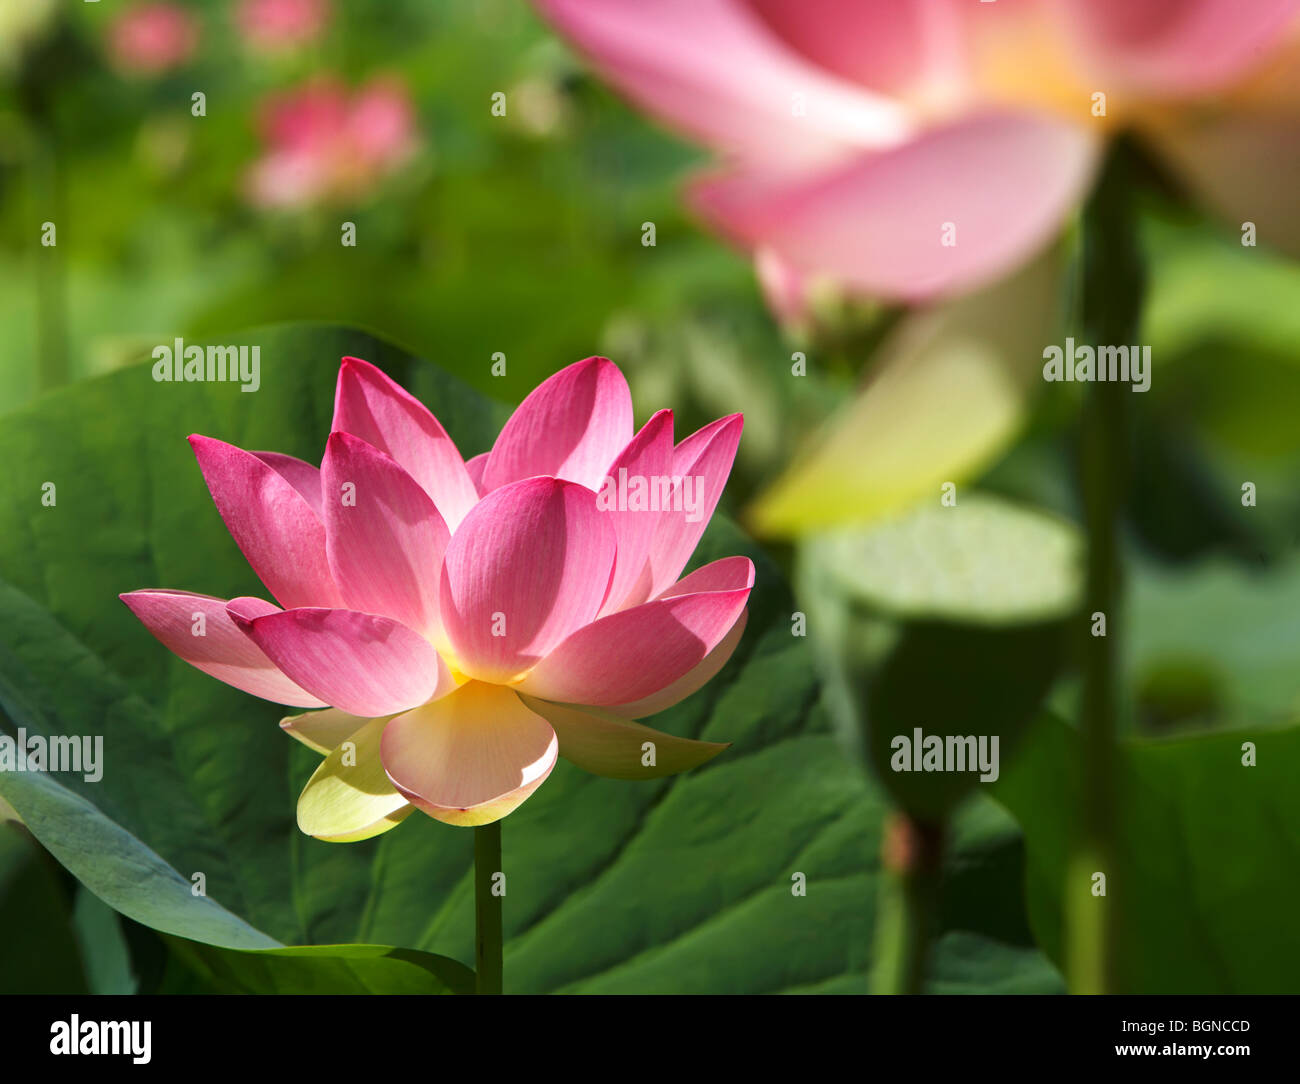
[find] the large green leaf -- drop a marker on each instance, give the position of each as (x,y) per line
(679,884)
(1205,888)
(325,969)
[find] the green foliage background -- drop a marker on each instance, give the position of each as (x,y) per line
(522,235)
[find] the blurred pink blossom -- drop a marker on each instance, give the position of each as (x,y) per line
(853,133)
(785,290)
(152,38)
(326,143)
(271,25)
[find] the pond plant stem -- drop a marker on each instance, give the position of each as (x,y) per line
(1112,284)
(911,860)
(487,909)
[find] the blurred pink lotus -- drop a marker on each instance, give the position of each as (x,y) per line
(465,622)
(327,144)
(152,38)
(909,150)
(271,25)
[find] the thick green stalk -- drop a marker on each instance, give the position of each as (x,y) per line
(1112,290)
(911,859)
(1090,961)
(487,909)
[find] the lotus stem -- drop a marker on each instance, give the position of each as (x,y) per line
(1089,963)
(1112,289)
(487,909)
(911,859)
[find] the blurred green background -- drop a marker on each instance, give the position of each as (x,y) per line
(519,234)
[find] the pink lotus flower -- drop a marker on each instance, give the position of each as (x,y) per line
(853,132)
(327,144)
(271,25)
(461,623)
(152,38)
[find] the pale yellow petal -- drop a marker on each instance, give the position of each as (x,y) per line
(349,797)
(604,744)
(945,398)
(324,730)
